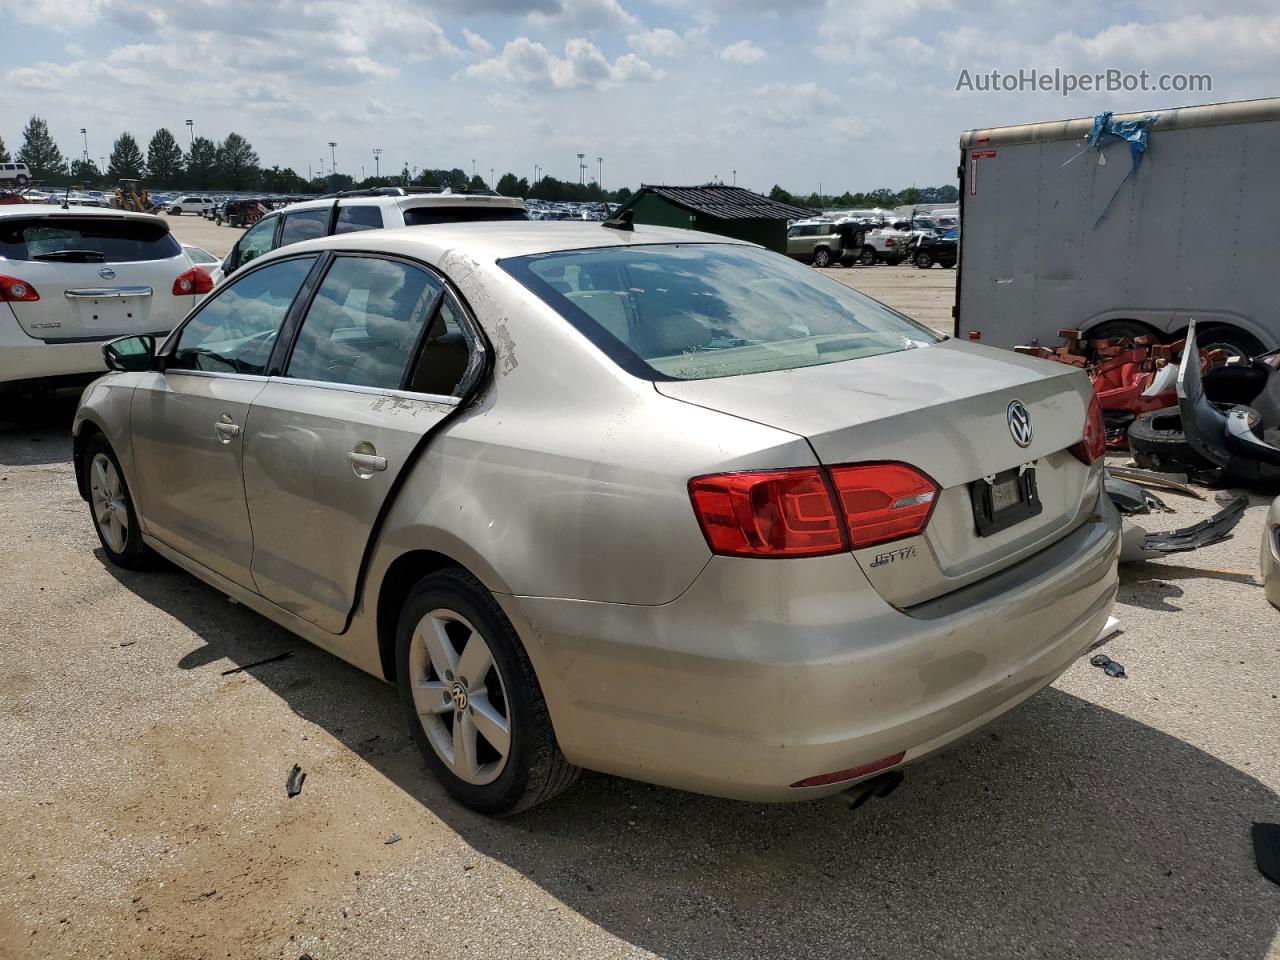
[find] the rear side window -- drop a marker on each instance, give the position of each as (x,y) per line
(351,219)
(86,239)
(421,216)
(236,329)
(364,324)
(304,225)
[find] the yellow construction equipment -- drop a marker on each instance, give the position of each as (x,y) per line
(131,195)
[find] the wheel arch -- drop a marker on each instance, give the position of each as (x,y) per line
(85,431)
(393,589)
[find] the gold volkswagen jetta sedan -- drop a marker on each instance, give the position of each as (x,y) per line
(645,501)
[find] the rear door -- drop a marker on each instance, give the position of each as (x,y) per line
(97,275)
(378,361)
(188,420)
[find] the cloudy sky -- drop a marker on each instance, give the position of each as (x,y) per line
(831,92)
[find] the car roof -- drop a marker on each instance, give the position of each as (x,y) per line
(410,201)
(49,210)
(498,240)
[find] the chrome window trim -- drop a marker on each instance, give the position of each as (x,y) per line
(216,374)
(370,391)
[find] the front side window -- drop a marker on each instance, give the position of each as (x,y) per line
(257,240)
(364,324)
(236,329)
(696,311)
(351,219)
(304,225)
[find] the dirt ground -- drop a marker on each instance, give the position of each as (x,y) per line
(143,811)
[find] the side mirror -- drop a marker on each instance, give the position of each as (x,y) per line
(130,354)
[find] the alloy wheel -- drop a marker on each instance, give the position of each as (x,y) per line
(460,696)
(110,510)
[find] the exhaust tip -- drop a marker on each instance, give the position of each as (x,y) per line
(880,786)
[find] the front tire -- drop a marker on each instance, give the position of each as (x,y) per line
(472,701)
(111,506)
(924,260)
(868,258)
(822,257)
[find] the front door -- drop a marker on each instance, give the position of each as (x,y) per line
(188,420)
(378,362)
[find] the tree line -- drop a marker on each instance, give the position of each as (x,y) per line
(233,164)
(883,197)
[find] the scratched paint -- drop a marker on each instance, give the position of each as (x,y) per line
(506,348)
(406,405)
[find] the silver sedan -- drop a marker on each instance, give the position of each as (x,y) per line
(644,501)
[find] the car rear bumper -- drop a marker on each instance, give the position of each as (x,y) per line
(29,361)
(1270,561)
(765,673)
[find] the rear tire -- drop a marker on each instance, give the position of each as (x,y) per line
(924,260)
(868,258)
(111,506)
(1121,329)
(457,720)
(1157,442)
(1223,336)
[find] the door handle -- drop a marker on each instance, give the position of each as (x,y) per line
(226,430)
(366,464)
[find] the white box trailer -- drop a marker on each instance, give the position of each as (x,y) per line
(1194,231)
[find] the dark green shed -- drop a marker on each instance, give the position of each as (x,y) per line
(717,208)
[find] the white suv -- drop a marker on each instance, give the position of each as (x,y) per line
(18,172)
(382,207)
(72,279)
(190,204)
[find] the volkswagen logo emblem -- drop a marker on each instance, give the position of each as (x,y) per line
(106,273)
(1019,423)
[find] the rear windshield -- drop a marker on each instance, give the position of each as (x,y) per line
(85,239)
(698,311)
(421,216)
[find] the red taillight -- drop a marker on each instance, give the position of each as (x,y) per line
(772,513)
(194,280)
(975,334)
(852,773)
(883,501)
(13,290)
(1094,443)
(792,513)
(889,242)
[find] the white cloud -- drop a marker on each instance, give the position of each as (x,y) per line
(476,42)
(661,42)
(525,61)
(585,15)
(744,52)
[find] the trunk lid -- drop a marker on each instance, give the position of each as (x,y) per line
(944,409)
(98,276)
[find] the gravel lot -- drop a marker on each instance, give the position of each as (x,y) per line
(143,811)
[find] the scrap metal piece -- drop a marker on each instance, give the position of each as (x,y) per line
(1130,498)
(1167,481)
(258,663)
(293,786)
(1137,545)
(1221,438)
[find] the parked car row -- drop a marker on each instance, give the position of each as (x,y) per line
(843,241)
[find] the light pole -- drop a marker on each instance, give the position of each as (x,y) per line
(85,133)
(735,178)
(377,152)
(473,166)
(491,178)
(600,172)
(536,169)
(333,156)
(191,129)
(582,178)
